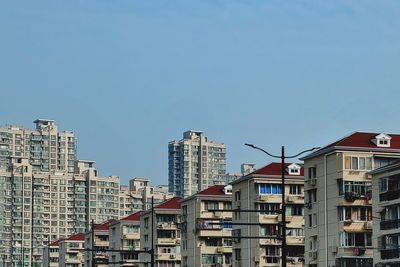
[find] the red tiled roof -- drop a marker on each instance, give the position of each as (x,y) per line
(362,139)
(132,217)
(55,243)
(76,237)
(274,168)
(104,226)
(173,203)
(215,190)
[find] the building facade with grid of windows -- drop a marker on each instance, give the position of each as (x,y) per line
(206,232)
(195,163)
(257,234)
(386,215)
(338,191)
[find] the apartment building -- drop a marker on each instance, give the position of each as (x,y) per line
(142,193)
(206,228)
(125,237)
(97,240)
(71,251)
(256,231)
(167,235)
(51,256)
(39,207)
(195,163)
(386,215)
(338,198)
(46,148)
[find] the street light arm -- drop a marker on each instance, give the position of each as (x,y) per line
(305,151)
(253,146)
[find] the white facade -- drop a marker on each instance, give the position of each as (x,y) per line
(195,163)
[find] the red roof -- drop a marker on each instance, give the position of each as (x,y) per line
(275,168)
(77,237)
(55,243)
(361,139)
(173,203)
(132,217)
(215,190)
(104,226)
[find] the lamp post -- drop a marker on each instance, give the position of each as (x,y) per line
(283,210)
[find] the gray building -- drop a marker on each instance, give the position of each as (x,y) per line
(195,163)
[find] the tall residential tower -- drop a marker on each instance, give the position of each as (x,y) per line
(195,163)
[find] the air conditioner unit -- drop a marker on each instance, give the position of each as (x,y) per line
(312,181)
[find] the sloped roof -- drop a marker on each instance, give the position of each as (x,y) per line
(132,217)
(275,168)
(76,237)
(364,139)
(104,226)
(56,243)
(215,190)
(173,203)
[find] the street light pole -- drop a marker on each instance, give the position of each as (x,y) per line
(283,210)
(283,222)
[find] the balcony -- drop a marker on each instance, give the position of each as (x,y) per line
(387,254)
(389,195)
(389,224)
(167,241)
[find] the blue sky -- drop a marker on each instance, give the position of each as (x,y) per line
(129,76)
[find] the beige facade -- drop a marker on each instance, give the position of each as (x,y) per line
(167,235)
(206,234)
(195,163)
(256,234)
(338,199)
(386,215)
(71,251)
(125,240)
(51,255)
(46,148)
(98,241)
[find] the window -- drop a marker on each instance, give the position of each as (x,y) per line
(270,208)
(355,239)
(269,189)
(312,195)
(269,230)
(312,172)
(312,220)
(361,188)
(355,213)
(210,205)
(237,254)
(357,163)
(237,195)
(295,189)
(146,222)
(383,184)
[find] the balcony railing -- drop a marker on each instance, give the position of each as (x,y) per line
(389,195)
(389,224)
(390,253)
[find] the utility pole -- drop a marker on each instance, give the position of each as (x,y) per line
(152,232)
(283,209)
(283,222)
(92,237)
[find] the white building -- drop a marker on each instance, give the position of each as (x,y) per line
(195,163)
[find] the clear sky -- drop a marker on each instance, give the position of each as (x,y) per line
(129,76)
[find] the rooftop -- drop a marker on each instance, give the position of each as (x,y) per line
(104,226)
(132,217)
(173,203)
(215,190)
(358,140)
(77,237)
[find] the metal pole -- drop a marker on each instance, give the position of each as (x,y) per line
(92,234)
(283,223)
(152,232)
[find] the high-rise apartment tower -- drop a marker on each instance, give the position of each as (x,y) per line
(195,163)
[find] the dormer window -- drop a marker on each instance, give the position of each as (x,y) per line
(382,140)
(294,169)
